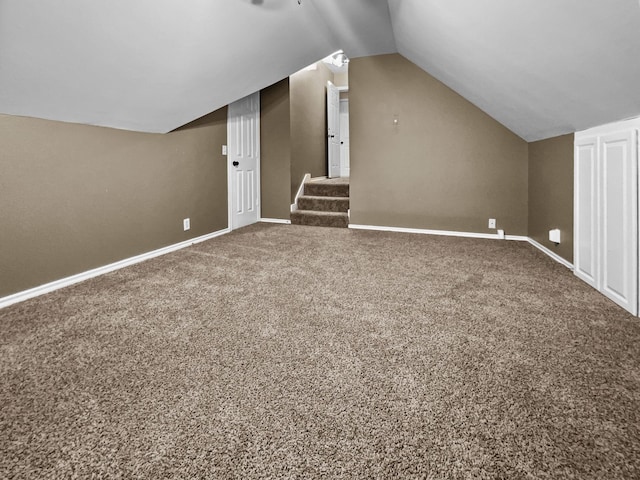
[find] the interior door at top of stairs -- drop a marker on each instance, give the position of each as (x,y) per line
(344,138)
(333,130)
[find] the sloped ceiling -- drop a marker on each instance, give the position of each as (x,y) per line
(540,67)
(154,65)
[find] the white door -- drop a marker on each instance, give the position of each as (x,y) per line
(619,218)
(333,129)
(243,127)
(344,138)
(585,257)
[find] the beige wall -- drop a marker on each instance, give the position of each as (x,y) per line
(308,124)
(76,197)
(445,166)
(275,154)
(341,79)
(551,192)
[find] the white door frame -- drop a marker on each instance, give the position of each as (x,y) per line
(232,149)
(344,171)
(333,130)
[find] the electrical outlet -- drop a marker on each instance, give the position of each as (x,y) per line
(186,224)
(224,149)
(492,223)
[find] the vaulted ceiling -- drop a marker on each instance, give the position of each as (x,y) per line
(540,67)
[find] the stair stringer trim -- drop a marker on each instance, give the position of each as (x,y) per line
(300,192)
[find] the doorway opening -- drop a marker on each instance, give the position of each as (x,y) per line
(320,143)
(338,164)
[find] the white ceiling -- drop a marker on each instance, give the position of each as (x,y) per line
(540,67)
(154,65)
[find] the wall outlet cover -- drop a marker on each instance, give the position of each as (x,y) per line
(186,224)
(492,223)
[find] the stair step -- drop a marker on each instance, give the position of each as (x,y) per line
(324,204)
(320,219)
(326,189)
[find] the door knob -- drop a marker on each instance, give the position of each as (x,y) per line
(235,164)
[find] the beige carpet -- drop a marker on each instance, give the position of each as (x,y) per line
(324,203)
(302,352)
(331,181)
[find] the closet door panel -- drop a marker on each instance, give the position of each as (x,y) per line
(586,211)
(619,217)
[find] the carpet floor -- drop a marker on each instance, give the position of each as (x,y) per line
(331,181)
(301,352)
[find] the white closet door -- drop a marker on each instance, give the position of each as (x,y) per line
(619,218)
(586,211)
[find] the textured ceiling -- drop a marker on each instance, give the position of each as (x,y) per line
(540,67)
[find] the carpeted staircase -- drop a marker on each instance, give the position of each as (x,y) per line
(324,203)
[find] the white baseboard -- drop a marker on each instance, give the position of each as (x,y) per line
(300,192)
(65,282)
(491,236)
(276,220)
(552,254)
(518,238)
